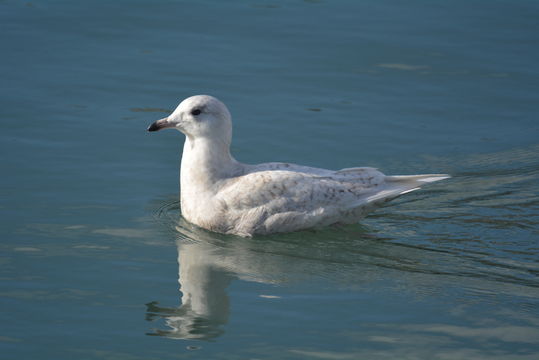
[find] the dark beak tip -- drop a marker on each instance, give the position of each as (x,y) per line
(153,127)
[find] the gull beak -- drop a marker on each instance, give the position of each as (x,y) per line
(161,124)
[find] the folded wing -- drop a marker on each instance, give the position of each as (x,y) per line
(289,197)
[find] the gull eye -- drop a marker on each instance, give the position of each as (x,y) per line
(195,112)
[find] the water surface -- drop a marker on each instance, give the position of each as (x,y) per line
(94,252)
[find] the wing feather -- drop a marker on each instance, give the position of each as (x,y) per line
(281,197)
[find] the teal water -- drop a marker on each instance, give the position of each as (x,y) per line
(94,252)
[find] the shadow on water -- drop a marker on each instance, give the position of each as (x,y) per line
(475,232)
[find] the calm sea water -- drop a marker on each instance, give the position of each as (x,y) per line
(94,252)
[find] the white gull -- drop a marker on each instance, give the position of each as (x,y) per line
(223,195)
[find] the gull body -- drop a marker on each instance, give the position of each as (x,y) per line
(223,195)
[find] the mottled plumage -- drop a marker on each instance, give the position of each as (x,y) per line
(220,194)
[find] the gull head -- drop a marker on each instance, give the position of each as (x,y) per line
(200,116)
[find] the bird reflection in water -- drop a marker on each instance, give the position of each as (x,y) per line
(207,266)
(204,301)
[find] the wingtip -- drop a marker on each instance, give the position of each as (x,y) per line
(434,177)
(426,178)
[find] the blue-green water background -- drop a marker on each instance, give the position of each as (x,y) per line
(90,231)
